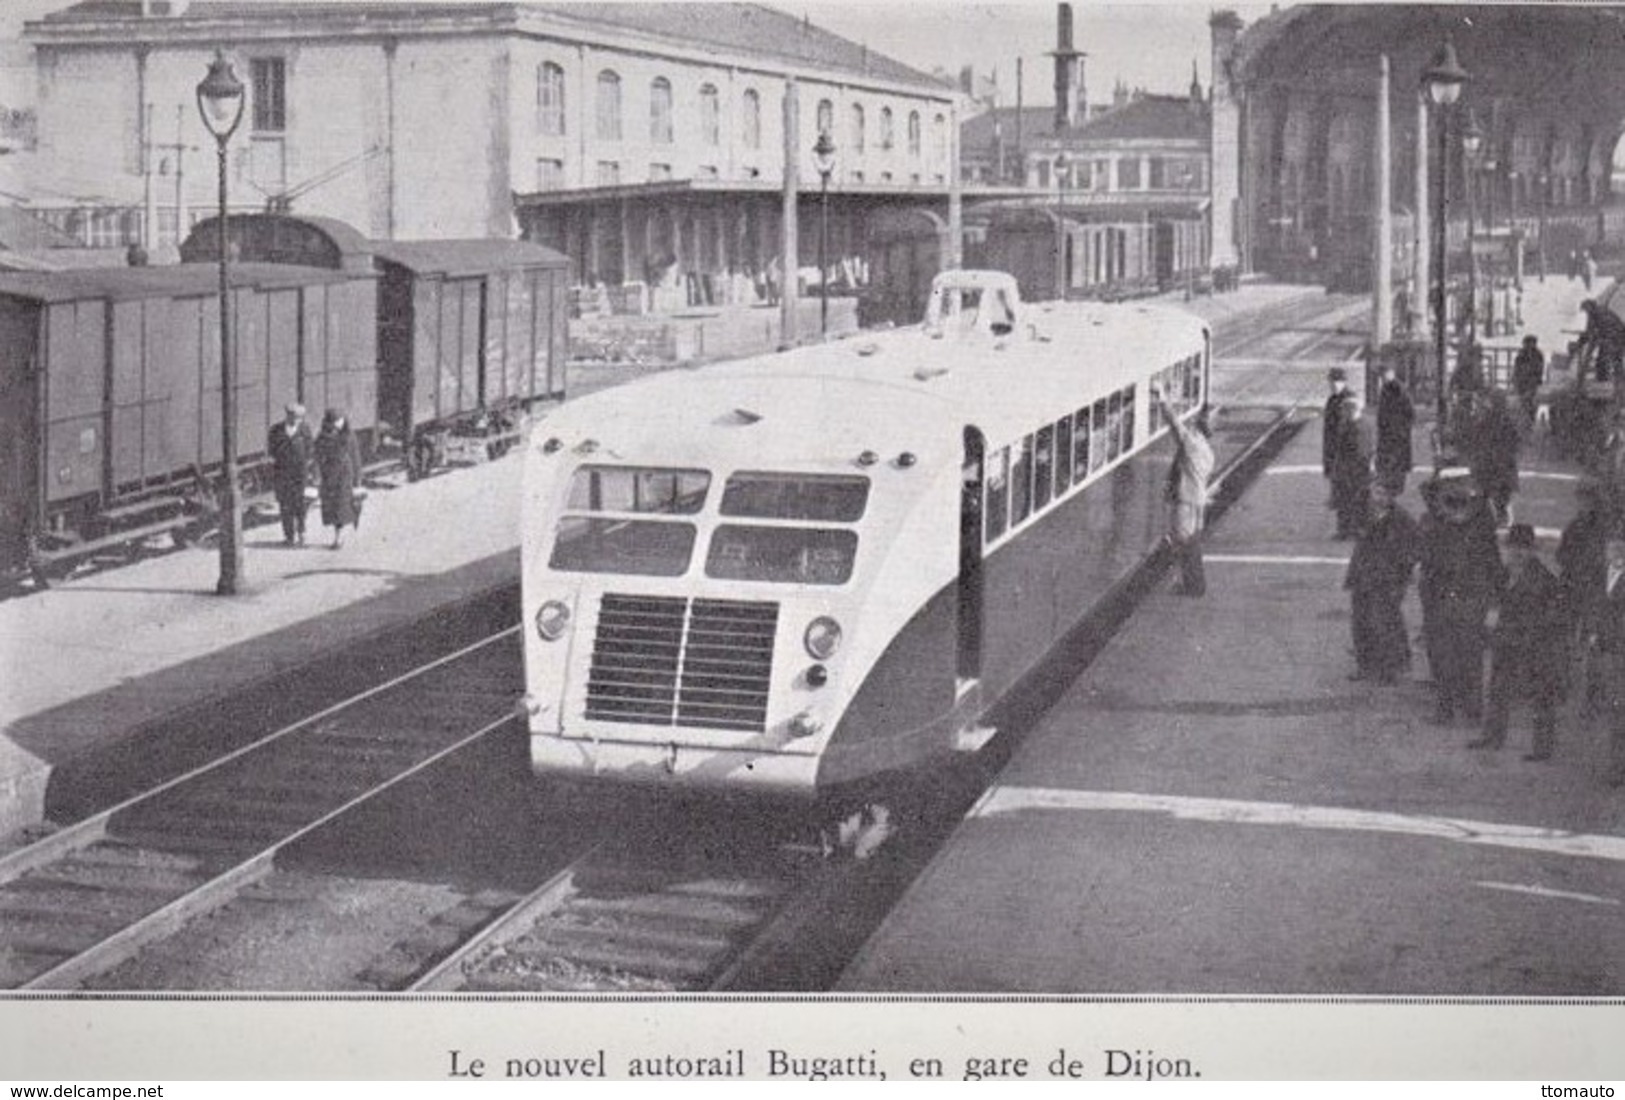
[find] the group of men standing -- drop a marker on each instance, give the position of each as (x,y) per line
(1480,594)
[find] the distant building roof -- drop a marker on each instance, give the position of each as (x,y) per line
(20,229)
(1144,118)
(750,29)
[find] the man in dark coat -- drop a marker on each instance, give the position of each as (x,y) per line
(1331,420)
(292,448)
(1492,452)
(1395,415)
(1460,577)
(1378,574)
(338,459)
(1582,569)
(1604,337)
(1608,645)
(1528,375)
(1528,650)
(1350,467)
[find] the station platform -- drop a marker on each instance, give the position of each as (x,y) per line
(89,662)
(1214,807)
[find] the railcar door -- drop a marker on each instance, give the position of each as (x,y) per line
(970,560)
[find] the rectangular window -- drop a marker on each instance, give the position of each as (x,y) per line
(549,174)
(1128,174)
(1128,420)
(646,548)
(1063,455)
(822,498)
(1021,482)
(1097,438)
(1080,445)
(270,81)
(609,173)
(1043,466)
(1114,427)
(785,555)
(996,513)
(638,489)
(1156,180)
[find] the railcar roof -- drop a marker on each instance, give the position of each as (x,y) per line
(904,386)
(467,257)
(176,280)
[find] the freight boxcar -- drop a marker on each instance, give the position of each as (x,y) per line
(110,390)
(469,331)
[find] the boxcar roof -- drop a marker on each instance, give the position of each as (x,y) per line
(899,387)
(467,257)
(177,280)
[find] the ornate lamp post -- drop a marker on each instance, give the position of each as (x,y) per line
(1061,165)
(1443,80)
(1472,143)
(824,161)
(220,102)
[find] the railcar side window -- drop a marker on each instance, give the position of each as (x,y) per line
(1080,445)
(997,510)
(1114,426)
(600,544)
(822,498)
(1128,420)
(1063,454)
(638,489)
(787,555)
(1043,466)
(1021,481)
(1097,442)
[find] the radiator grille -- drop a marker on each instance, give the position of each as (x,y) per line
(669,661)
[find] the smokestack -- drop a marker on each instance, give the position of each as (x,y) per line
(1069,91)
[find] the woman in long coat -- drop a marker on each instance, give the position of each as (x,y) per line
(338,460)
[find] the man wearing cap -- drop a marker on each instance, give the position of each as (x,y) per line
(1528,651)
(1460,577)
(292,448)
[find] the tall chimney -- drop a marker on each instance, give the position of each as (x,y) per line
(1068,73)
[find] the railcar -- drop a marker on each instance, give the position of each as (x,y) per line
(1100,257)
(816,569)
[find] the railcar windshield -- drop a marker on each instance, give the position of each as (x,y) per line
(598,543)
(821,498)
(787,555)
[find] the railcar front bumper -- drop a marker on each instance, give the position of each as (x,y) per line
(676,766)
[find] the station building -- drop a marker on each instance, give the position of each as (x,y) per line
(1295,122)
(646,139)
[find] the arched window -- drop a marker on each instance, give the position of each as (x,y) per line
(939,140)
(660,111)
(549,99)
(826,117)
(609,106)
(914,134)
(752,121)
(710,115)
(886,137)
(857,127)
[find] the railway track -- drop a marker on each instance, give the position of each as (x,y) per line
(91,895)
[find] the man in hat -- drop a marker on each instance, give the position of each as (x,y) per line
(1460,578)
(1332,422)
(1350,470)
(1529,651)
(292,449)
(1395,416)
(1528,375)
